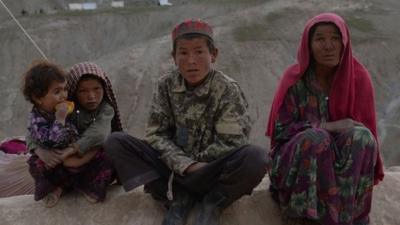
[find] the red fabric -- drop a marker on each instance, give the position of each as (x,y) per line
(191,26)
(13,146)
(351,94)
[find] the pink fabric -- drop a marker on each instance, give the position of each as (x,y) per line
(351,94)
(13,146)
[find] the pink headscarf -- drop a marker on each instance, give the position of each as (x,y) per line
(351,94)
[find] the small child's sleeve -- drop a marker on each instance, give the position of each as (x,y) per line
(50,134)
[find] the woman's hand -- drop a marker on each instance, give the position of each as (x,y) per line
(194,167)
(50,157)
(340,125)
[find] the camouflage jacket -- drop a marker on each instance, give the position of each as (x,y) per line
(199,125)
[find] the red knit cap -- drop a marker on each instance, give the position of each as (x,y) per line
(192,26)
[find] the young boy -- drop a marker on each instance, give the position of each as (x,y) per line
(196,146)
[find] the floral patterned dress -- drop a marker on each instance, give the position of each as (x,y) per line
(47,132)
(92,178)
(323,176)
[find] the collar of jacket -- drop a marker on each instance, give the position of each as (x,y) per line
(179,85)
(48,116)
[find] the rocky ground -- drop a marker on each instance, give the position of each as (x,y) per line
(137,208)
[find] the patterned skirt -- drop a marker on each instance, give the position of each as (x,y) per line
(92,178)
(326,177)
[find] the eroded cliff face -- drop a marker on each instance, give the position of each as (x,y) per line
(257,39)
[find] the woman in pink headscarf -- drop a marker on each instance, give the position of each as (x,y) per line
(323,131)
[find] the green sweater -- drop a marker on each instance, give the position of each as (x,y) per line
(93,127)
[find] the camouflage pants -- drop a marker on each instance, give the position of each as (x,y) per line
(234,174)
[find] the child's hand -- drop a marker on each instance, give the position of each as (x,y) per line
(76,160)
(50,158)
(61,112)
(68,151)
(194,167)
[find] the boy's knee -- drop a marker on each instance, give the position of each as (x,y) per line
(112,141)
(115,137)
(257,160)
(256,154)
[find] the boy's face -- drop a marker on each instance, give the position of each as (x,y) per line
(194,59)
(56,94)
(90,93)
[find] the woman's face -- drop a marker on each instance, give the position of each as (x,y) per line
(90,93)
(326,45)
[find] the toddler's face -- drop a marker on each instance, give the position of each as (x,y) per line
(56,94)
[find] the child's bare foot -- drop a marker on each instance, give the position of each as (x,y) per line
(52,199)
(89,197)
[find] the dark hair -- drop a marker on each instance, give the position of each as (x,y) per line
(210,42)
(89,76)
(86,77)
(312,32)
(38,78)
(314,28)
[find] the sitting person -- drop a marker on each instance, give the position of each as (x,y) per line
(323,131)
(196,146)
(86,170)
(45,87)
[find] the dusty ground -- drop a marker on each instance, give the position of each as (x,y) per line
(257,40)
(137,208)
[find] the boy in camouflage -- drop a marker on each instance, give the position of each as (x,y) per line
(196,146)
